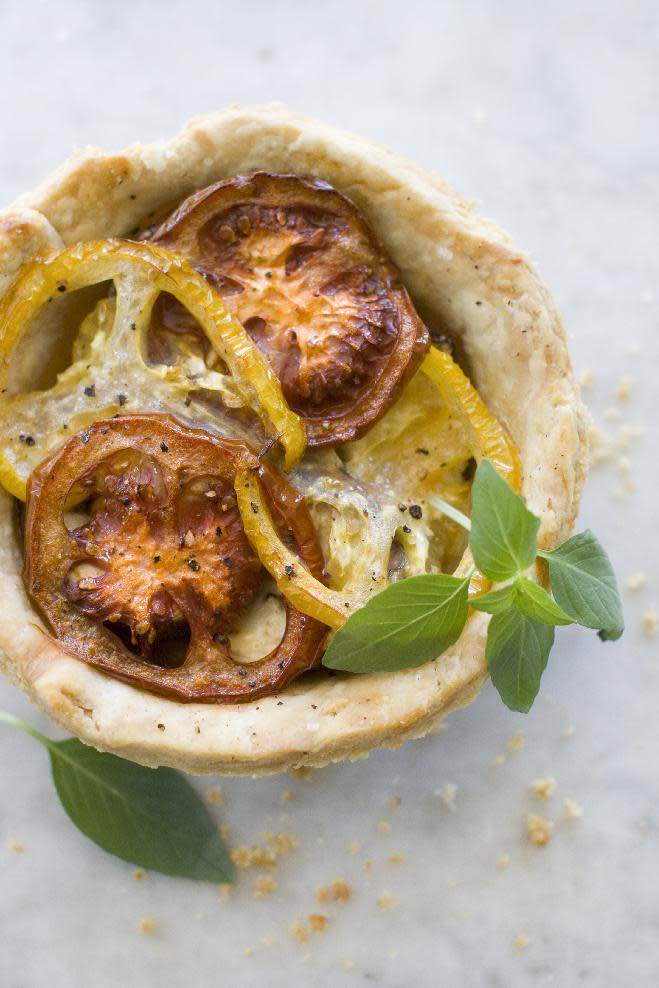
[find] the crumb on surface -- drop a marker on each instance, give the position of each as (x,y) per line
(355,847)
(397,858)
(225,889)
(586,378)
(264,886)
(386,901)
(568,731)
(225,831)
(650,619)
(520,941)
(624,388)
(499,759)
(268,940)
(286,796)
(635,581)
(394,802)
(298,931)
(215,795)
(383,827)
(336,891)
(139,874)
(516,742)
(447,795)
(367,866)
(303,772)
(538,830)
(543,788)
(503,861)
(146,925)
(248,951)
(572,810)
(318,922)
(15,845)
(348,964)
(264,855)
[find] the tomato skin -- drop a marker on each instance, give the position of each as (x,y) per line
(163,553)
(298,266)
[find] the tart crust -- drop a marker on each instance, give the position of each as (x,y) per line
(463,273)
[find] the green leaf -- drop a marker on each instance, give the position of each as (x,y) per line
(150,817)
(584,584)
(405,625)
(535,602)
(503,530)
(495,601)
(517,650)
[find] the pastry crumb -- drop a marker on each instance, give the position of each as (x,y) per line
(303,772)
(318,922)
(650,623)
(383,827)
(225,889)
(503,861)
(624,389)
(520,942)
(397,858)
(264,886)
(268,940)
(543,788)
(538,830)
(215,796)
(516,742)
(635,581)
(299,932)
(386,901)
(336,891)
(248,952)
(146,925)
(572,810)
(447,795)
(15,845)
(139,874)
(586,379)
(355,847)
(348,964)
(568,731)
(395,802)
(286,796)
(264,855)
(499,759)
(367,866)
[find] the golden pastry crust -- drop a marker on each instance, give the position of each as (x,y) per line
(463,273)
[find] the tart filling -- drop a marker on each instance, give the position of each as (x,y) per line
(264,306)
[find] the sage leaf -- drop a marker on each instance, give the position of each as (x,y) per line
(150,817)
(503,531)
(405,625)
(517,650)
(584,584)
(534,601)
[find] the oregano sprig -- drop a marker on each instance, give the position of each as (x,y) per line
(417,619)
(150,817)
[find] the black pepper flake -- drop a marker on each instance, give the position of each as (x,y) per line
(194,565)
(254,507)
(289,570)
(415,511)
(228,561)
(121,398)
(133,326)
(90,390)
(164,447)
(161,727)
(156,559)
(280,665)
(252,684)
(479,303)
(28,440)
(125,501)
(402,507)
(407,529)
(220,639)
(268,274)
(84,438)
(218,531)
(187,402)
(242,672)
(424,452)
(61,287)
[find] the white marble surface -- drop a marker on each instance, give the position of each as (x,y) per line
(548,114)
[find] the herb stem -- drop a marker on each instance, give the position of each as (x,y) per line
(6,718)
(450,512)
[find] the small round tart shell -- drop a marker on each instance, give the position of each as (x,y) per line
(465,276)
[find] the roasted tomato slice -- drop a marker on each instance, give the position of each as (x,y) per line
(297,264)
(136,554)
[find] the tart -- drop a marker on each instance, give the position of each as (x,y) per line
(235,366)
